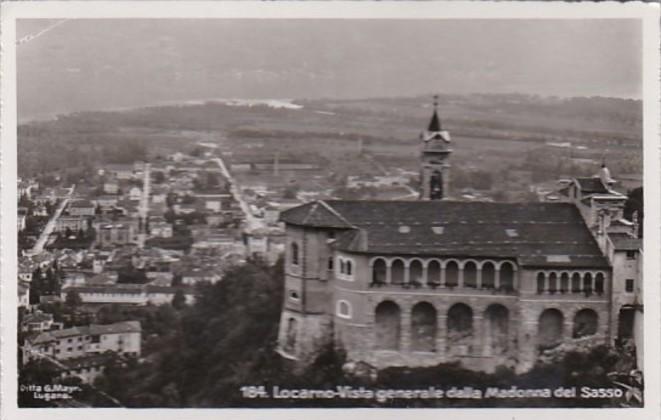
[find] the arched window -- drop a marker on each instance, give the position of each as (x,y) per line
(387,329)
(564,283)
(497,332)
(397,272)
(507,276)
(553,283)
(294,253)
(549,329)
(331,263)
(436,186)
(576,283)
(599,283)
(541,283)
(342,266)
(470,275)
(587,283)
(460,329)
(415,272)
(349,268)
(488,275)
(452,274)
(423,327)
(585,323)
(290,336)
(434,273)
(343,309)
(379,271)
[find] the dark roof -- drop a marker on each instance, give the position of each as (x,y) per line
(536,234)
(625,242)
(37,317)
(435,123)
(591,186)
(314,214)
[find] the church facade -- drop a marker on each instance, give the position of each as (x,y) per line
(417,283)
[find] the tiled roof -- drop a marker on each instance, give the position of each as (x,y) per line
(533,233)
(624,242)
(315,214)
(117,328)
(37,317)
(591,186)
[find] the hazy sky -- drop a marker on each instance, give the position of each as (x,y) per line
(101,64)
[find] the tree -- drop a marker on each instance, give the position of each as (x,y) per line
(158,177)
(179,300)
(73,299)
(290,192)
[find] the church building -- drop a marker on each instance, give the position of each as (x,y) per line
(434,280)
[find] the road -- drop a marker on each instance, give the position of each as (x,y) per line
(251,222)
(143,209)
(50,226)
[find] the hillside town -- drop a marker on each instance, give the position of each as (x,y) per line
(137,235)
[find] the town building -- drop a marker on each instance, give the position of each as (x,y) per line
(135,193)
(81,208)
(121,338)
(72,223)
(38,322)
(121,171)
(111,187)
(106,202)
(418,283)
(160,229)
(121,231)
(23,294)
(128,294)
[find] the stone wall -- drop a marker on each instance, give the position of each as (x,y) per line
(302,336)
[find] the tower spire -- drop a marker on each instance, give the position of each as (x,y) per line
(434,166)
(435,123)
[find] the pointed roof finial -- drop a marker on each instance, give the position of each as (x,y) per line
(435,123)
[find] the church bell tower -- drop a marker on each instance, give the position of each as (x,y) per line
(434,166)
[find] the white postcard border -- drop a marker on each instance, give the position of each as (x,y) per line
(648,13)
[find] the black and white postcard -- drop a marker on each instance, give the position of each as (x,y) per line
(330,205)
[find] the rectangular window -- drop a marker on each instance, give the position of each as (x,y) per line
(631,255)
(628,287)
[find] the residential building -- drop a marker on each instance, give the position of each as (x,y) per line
(121,338)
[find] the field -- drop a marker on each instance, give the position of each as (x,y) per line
(537,139)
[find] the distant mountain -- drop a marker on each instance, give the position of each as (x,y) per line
(86,64)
